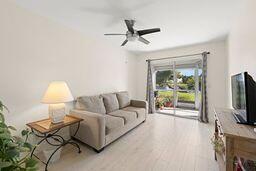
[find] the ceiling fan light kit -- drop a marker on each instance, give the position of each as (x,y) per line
(133,35)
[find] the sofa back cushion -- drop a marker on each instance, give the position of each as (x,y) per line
(110,102)
(123,99)
(91,103)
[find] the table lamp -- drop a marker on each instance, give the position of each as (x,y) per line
(56,95)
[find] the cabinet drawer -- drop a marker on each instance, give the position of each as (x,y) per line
(245,148)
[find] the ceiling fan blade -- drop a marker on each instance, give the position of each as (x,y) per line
(113,34)
(129,24)
(148,31)
(124,42)
(141,39)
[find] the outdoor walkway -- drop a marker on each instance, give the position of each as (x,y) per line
(180,112)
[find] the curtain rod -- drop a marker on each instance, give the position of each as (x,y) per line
(177,56)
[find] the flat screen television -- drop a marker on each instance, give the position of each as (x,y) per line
(244,98)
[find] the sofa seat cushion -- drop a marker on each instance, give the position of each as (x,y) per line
(123,99)
(91,103)
(110,102)
(113,123)
(128,116)
(141,112)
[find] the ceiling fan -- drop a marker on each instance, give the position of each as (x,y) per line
(132,34)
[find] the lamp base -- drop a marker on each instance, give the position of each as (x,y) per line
(57,112)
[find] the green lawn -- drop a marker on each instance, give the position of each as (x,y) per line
(182,96)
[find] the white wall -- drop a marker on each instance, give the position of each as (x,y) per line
(217,71)
(242,42)
(35,51)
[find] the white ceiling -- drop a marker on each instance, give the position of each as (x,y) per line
(182,22)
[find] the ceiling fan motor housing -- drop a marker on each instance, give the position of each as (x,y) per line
(132,37)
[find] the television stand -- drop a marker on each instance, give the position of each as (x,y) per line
(238,140)
(239,119)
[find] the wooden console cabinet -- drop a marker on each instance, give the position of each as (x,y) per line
(239,140)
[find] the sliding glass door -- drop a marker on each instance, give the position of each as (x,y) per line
(164,86)
(177,89)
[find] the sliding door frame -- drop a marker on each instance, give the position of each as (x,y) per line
(174,68)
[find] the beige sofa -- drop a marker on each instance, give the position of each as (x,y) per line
(107,117)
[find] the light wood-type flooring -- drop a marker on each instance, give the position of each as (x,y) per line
(161,143)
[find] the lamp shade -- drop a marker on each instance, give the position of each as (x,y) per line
(57,92)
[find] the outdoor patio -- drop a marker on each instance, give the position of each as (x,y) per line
(189,113)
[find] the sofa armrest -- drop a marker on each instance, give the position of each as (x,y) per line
(140,103)
(92,129)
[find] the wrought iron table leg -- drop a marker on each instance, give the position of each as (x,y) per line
(46,166)
(76,145)
(62,142)
(32,153)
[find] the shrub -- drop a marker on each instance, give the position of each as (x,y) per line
(183,86)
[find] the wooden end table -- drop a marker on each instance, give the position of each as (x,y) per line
(47,130)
